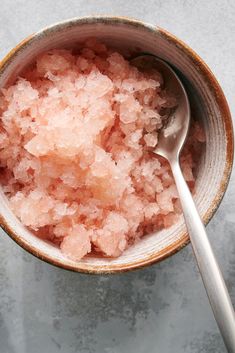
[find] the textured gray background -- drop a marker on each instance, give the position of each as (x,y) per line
(160,309)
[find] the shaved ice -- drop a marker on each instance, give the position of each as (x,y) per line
(76,134)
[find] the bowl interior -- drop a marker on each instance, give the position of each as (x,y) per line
(131,37)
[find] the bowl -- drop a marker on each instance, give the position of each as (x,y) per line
(208,103)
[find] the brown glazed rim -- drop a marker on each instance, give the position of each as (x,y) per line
(224,110)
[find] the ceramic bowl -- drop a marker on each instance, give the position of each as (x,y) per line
(208,104)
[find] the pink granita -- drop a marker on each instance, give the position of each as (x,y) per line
(75,140)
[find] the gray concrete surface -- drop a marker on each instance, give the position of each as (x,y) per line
(160,309)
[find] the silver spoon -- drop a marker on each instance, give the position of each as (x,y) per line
(171,141)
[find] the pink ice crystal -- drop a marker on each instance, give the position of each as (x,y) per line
(75,135)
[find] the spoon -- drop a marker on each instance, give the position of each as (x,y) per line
(170,142)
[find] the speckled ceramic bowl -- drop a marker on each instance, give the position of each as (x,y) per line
(208,104)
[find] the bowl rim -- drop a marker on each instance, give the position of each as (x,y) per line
(225,115)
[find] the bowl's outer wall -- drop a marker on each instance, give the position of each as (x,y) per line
(217,121)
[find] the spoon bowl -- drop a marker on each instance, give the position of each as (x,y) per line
(172,137)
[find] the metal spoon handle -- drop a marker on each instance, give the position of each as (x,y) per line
(208,266)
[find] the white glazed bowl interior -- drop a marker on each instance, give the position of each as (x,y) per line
(129,36)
